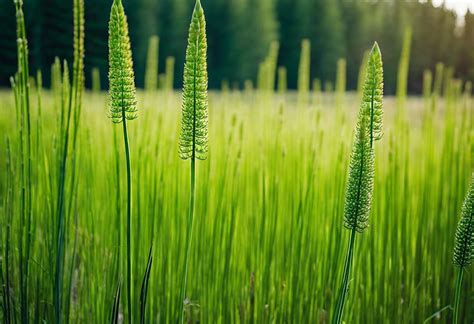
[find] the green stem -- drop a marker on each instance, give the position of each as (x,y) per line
(189,236)
(129,216)
(345,280)
(458,295)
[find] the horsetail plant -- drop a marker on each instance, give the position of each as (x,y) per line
(403,68)
(361,168)
(304,71)
(272,60)
(317,92)
(71,118)
(151,71)
(21,89)
(193,139)
(169,74)
(438,80)
(341,82)
(282,82)
(122,108)
(95,73)
(464,245)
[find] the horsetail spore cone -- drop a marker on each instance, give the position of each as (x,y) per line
(123,107)
(123,103)
(361,168)
(372,95)
(464,244)
(193,139)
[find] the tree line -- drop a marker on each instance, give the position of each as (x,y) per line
(240,33)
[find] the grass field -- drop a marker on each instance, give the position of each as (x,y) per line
(95,233)
(269,236)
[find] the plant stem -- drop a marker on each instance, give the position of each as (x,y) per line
(189,235)
(458,295)
(129,216)
(345,280)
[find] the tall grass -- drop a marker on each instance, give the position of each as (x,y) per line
(282,80)
(403,68)
(259,197)
(169,73)
(21,88)
(268,208)
(95,76)
(151,72)
(304,73)
(341,83)
(70,114)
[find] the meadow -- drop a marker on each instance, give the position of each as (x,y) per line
(269,240)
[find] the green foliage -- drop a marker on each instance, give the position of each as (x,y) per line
(123,102)
(123,107)
(369,129)
(95,80)
(114,318)
(373,93)
(427,84)
(253,264)
(272,64)
(360,183)
(464,243)
(169,73)
(317,86)
(439,77)
(70,114)
(403,68)
(328,87)
(304,72)
(235,55)
(268,68)
(282,80)
(21,91)
(151,72)
(326,33)
(144,288)
(341,82)
(193,139)
(285,195)
(317,92)
(361,178)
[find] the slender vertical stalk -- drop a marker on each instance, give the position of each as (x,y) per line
(129,217)
(457,298)
(23,107)
(189,234)
(345,279)
(304,71)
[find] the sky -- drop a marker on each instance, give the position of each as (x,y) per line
(460,6)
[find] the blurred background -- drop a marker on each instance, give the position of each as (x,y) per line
(240,32)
